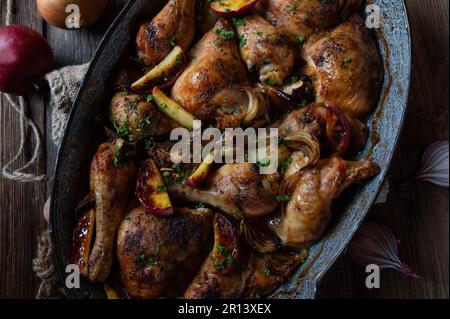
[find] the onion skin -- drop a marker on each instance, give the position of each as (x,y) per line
(25,58)
(376,244)
(54,11)
(343,147)
(435,166)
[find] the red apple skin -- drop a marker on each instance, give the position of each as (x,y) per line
(25,58)
(216,8)
(191,183)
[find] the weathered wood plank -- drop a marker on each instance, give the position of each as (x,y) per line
(76,47)
(420,220)
(20,204)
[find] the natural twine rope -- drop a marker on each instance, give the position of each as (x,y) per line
(43,265)
(19,106)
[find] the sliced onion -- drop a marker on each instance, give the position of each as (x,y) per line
(283,102)
(259,240)
(435,164)
(346,128)
(307,144)
(376,244)
(256,105)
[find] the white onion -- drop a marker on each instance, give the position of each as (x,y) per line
(435,162)
(376,244)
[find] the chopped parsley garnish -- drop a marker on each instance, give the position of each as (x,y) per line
(161,188)
(225,34)
(283,198)
(238,22)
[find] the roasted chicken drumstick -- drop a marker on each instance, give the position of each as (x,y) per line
(312,191)
(113,174)
(174,25)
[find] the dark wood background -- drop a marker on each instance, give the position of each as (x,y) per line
(420,220)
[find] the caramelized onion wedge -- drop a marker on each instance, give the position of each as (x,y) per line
(151,191)
(257,105)
(173,110)
(198,177)
(307,144)
(82,239)
(259,240)
(232,8)
(164,74)
(226,245)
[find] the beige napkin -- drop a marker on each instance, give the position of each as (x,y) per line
(64,85)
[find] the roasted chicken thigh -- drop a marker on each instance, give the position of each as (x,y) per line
(132,115)
(235,189)
(265,49)
(301,18)
(158,256)
(347,67)
(211,86)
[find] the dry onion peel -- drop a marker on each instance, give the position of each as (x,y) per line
(435,164)
(376,244)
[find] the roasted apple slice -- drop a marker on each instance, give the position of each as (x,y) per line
(226,249)
(164,74)
(173,110)
(82,239)
(151,190)
(198,177)
(232,8)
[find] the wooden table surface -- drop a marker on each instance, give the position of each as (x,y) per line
(420,220)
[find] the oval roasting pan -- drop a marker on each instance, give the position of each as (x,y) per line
(79,143)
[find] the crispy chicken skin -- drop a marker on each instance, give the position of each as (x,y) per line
(139,118)
(308,212)
(234,188)
(174,25)
(265,49)
(210,283)
(252,275)
(301,17)
(226,270)
(113,174)
(271,270)
(211,86)
(312,119)
(245,187)
(347,67)
(159,256)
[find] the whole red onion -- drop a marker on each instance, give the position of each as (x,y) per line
(25,58)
